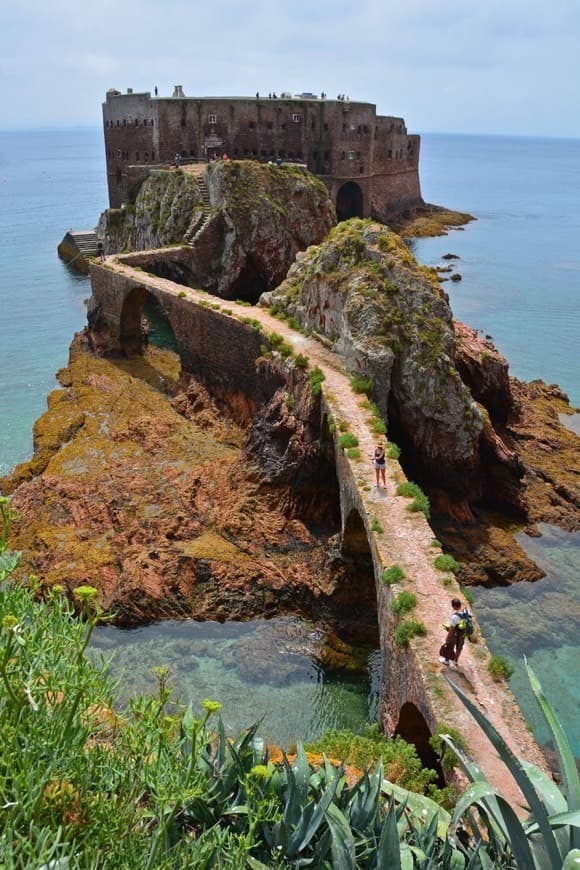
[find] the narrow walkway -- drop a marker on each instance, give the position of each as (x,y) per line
(406,540)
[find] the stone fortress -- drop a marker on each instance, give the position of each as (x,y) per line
(369,163)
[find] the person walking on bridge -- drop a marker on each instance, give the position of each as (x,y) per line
(458,628)
(380,463)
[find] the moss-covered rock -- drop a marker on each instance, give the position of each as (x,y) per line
(389,319)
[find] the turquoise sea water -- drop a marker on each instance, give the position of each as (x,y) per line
(521,279)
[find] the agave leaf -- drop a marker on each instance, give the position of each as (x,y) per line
(475,774)
(516,769)
(546,787)
(389,851)
(420,807)
(292,804)
(318,814)
(342,843)
(519,843)
(557,821)
(301,769)
(566,759)
(572,860)
(407,862)
(255,864)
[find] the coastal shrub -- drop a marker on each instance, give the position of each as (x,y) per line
(419,502)
(353,453)
(347,440)
(403,603)
(182,294)
(394,574)
(399,758)
(435,542)
(499,669)
(446,755)
(376,526)
(444,562)
(467,594)
(243,303)
(360,384)
(394,451)
(343,426)
(407,629)
(316,378)
(379,426)
(331,424)
(300,361)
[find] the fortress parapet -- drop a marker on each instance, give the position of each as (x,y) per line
(369,163)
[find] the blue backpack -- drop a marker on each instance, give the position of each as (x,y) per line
(465,624)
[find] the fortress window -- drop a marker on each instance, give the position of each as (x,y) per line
(251,125)
(351,155)
(146,157)
(151,122)
(124,122)
(296,119)
(144,122)
(327,155)
(342,155)
(283,126)
(390,154)
(365,128)
(153,155)
(270,125)
(313,124)
(326,126)
(358,155)
(136,122)
(262,153)
(212,119)
(117,123)
(376,132)
(359,129)
(344,128)
(119,155)
(315,155)
(361,170)
(136,155)
(236,152)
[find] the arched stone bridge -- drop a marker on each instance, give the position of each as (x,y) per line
(218,347)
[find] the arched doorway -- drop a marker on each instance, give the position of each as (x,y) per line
(143,322)
(349,201)
(413,728)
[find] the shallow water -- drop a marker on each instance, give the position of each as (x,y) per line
(541,621)
(263,668)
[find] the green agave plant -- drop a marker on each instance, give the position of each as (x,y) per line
(549,839)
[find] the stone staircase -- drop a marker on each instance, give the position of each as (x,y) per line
(85,241)
(199,221)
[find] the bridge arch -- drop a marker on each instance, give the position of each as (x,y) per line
(349,201)
(355,541)
(413,728)
(143,319)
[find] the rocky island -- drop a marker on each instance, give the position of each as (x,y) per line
(209,480)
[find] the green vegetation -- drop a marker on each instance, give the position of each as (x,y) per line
(353,453)
(182,294)
(347,440)
(436,543)
(279,344)
(360,384)
(499,668)
(86,787)
(300,361)
(243,303)
(442,748)
(399,759)
(394,451)
(376,526)
(403,603)
(394,574)
(444,562)
(316,377)
(407,629)
(420,501)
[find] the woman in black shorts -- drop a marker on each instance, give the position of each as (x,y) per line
(380,463)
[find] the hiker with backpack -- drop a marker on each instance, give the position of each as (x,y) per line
(458,628)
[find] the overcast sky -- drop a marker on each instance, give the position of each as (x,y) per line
(474,66)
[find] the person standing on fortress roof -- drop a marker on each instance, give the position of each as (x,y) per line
(458,628)
(177,160)
(155,90)
(380,463)
(257,95)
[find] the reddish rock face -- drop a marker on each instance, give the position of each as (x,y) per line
(484,370)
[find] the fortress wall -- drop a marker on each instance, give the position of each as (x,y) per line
(338,140)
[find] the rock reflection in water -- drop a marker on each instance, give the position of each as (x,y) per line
(541,620)
(286,670)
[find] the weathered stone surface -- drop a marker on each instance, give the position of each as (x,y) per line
(484,370)
(260,216)
(389,320)
(160,512)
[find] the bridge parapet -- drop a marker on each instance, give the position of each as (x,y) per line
(216,344)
